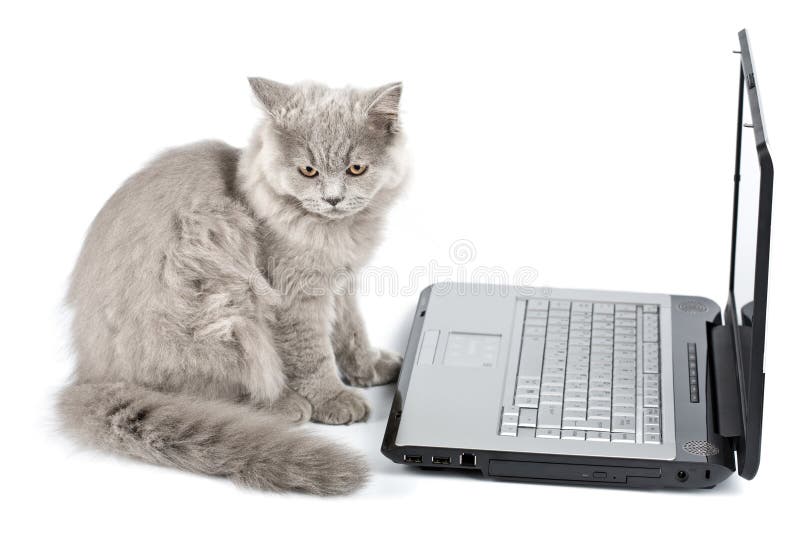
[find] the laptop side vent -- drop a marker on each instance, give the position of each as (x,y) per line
(700,448)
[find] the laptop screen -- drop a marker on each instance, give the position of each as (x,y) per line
(744,274)
(747,300)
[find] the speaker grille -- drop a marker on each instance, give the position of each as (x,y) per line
(700,448)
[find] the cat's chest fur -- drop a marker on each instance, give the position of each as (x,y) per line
(315,259)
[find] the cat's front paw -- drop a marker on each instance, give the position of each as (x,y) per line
(379,367)
(292,406)
(348,406)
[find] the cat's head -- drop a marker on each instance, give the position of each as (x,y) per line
(329,151)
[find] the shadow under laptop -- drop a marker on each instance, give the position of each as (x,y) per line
(732,486)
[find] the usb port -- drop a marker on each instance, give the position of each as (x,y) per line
(441,460)
(409,459)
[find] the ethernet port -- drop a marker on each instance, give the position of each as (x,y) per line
(469,460)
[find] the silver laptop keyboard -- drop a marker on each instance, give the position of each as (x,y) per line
(587,371)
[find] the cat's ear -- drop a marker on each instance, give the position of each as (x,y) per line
(383,107)
(272,95)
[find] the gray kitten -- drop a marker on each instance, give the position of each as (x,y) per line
(211,306)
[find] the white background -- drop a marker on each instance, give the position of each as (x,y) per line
(593,143)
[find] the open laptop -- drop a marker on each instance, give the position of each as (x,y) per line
(595,387)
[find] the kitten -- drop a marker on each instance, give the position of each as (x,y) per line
(210,313)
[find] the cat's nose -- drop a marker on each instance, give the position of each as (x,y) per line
(332,200)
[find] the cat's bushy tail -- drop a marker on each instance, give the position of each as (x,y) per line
(252,448)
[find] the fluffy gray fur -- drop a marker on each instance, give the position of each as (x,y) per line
(211,313)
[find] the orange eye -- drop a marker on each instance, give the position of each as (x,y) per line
(356,168)
(308,171)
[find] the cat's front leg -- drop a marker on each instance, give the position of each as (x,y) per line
(303,334)
(360,363)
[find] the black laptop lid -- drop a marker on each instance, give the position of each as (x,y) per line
(747,298)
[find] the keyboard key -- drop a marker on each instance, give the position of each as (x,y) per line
(533,321)
(508,430)
(550,416)
(652,420)
(599,414)
(620,339)
(551,433)
(535,330)
(624,382)
(552,390)
(623,437)
(623,411)
(650,350)
(524,432)
(599,389)
(526,402)
(650,327)
(578,435)
(527,417)
(576,415)
(597,436)
(537,304)
(624,399)
(575,404)
(625,367)
(575,394)
(531,356)
(603,308)
(579,375)
(510,419)
(623,424)
(600,404)
(553,379)
(527,392)
(652,429)
(652,438)
(551,400)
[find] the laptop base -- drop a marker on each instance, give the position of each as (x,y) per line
(706,472)
(702,456)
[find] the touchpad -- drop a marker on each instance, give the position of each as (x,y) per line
(471,350)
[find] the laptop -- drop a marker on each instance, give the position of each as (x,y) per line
(596,387)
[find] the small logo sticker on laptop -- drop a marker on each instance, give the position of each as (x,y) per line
(692,306)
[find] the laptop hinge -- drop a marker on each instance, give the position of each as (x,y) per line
(722,358)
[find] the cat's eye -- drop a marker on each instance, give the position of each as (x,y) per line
(356,168)
(308,171)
